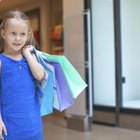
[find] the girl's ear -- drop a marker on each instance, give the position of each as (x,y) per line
(2,34)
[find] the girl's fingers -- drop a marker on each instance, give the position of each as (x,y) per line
(1,137)
(29,47)
(5,131)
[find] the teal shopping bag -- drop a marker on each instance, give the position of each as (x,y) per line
(75,81)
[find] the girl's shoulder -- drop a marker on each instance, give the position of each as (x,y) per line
(1,58)
(1,55)
(0,64)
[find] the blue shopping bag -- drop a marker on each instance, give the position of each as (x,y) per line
(45,88)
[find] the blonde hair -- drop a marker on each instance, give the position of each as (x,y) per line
(20,16)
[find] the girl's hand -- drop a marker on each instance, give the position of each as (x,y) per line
(27,50)
(2,129)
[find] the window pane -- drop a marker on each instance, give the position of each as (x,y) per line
(103,52)
(130,25)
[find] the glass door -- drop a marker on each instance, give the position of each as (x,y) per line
(130,33)
(103,53)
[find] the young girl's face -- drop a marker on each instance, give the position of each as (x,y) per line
(15,34)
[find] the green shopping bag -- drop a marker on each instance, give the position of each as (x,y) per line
(75,81)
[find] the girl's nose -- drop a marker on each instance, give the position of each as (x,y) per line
(17,37)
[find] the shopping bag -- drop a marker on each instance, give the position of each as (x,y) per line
(62,95)
(45,96)
(45,88)
(74,80)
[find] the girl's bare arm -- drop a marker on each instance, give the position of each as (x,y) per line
(36,68)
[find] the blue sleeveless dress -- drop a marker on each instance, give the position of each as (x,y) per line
(19,104)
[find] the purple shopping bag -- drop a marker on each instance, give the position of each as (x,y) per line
(62,96)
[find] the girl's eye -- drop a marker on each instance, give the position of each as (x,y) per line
(12,33)
(22,34)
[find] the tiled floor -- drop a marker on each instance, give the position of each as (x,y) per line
(55,129)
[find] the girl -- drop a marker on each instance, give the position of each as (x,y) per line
(20,117)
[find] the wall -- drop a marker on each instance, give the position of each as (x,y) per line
(56,12)
(72,6)
(74,47)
